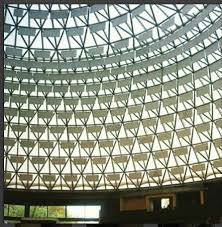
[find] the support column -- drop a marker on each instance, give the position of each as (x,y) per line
(202,197)
(27,210)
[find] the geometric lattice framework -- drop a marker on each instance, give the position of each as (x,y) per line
(112,96)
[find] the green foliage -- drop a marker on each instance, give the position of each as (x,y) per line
(5,209)
(38,211)
(56,211)
(16,210)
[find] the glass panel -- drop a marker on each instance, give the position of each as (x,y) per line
(5,209)
(165,202)
(56,211)
(16,210)
(38,211)
(83,211)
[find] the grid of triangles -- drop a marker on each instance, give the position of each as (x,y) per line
(141,109)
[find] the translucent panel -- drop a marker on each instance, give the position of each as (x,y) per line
(95,51)
(99,160)
(80,161)
(27,31)
(180,151)
(161,154)
(9,142)
(177,170)
(118,111)
(57,129)
(27,143)
(201,147)
(51,33)
(58,161)
(97,27)
(63,88)
(151,106)
(155,173)
(36,100)
(217,163)
(106,143)
(17,159)
(138,93)
(94,129)
(119,20)
(203,127)
(170,101)
(168,23)
(49,178)
(135,109)
(25,177)
(198,167)
(167,118)
(109,85)
(79,11)
(70,178)
(184,132)
(11,86)
(44,114)
(37,14)
(97,7)
(19,128)
(38,160)
(113,127)
(203,109)
(138,10)
(53,101)
(13,51)
(145,139)
(68,53)
(18,12)
(92,177)
(140,157)
(165,136)
(131,125)
(105,99)
(46,144)
(121,44)
(99,113)
(93,87)
(146,35)
(27,87)
(187,8)
(149,122)
(81,115)
(113,177)
(88,101)
(121,159)
(67,145)
(7,28)
(59,14)
(87,144)
(42,54)
(121,97)
(65,115)
(137,175)
(74,31)
(126,142)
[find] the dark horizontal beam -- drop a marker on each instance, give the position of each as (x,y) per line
(38,197)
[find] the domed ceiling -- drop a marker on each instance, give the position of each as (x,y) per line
(106,97)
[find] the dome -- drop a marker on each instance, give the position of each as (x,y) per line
(111,97)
